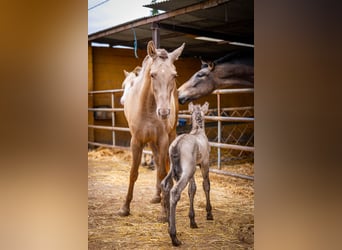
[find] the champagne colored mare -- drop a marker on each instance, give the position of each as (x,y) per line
(233,70)
(128,82)
(151,110)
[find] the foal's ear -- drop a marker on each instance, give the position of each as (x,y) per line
(126,73)
(151,49)
(205,107)
(174,55)
(191,107)
(211,66)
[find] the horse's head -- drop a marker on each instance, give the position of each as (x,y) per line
(128,82)
(163,73)
(200,84)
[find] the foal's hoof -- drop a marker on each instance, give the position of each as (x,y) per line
(162,218)
(156,199)
(123,212)
(176,242)
(193,225)
(210,217)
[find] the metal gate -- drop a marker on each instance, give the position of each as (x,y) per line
(239,137)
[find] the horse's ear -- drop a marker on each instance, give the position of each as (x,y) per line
(151,49)
(211,66)
(205,107)
(174,55)
(191,107)
(126,73)
(137,70)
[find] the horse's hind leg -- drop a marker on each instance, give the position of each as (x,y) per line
(136,148)
(192,192)
(206,187)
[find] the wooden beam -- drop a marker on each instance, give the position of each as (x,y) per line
(207,33)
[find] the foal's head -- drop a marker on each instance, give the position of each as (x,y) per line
(197,115)
(163,73)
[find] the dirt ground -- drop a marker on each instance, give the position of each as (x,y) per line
(232,200)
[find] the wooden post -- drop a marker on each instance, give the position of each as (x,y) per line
(155,34)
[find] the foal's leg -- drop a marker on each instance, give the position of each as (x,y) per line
(136,148)
(192,192)
(175,194)
(206,187)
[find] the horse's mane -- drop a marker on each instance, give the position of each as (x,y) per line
(235,57)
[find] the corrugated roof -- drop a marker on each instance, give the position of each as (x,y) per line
(168,5)
(231,21)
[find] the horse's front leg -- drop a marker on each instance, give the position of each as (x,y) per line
(136,148)
(161,160)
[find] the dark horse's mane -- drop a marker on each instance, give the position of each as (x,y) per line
(235,57)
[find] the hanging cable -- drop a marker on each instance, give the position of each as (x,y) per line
(96,4)
(135,44)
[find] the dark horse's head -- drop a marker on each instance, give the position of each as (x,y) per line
(231,70)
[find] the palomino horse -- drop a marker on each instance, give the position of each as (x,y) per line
(151,110)
(128,82)
(233,70)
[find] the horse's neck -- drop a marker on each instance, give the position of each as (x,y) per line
(232,74)
(197,131)
(146,94)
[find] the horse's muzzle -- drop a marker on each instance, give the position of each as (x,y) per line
(163,113)
(182,100)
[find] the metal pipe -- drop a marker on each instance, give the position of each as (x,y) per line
(223,109)
(105,91)
(217,171)
(113,120)
(218,130)
(232,91)
(108,145)
(106,109)
(222,118)
(109,128)
(231,146)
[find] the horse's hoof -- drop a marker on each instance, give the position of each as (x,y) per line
(156,199)
(123,212)
(210,217)
(176,242)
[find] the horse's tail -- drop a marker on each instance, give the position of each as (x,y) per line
(175,156)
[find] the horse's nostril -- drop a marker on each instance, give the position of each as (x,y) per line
(182,100)
(163,113)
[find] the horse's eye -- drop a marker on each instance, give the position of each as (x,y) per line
(153,75)
(200,74)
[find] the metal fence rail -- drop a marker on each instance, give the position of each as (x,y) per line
(182,114)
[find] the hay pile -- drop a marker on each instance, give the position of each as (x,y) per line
(108,173)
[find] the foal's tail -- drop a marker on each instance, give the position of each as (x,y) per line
(167,183)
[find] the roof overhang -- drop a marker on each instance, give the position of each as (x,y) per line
(230,22)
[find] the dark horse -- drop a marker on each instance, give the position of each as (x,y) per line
(235,69)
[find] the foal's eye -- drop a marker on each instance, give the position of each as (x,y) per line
(153,75)
(200,74)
